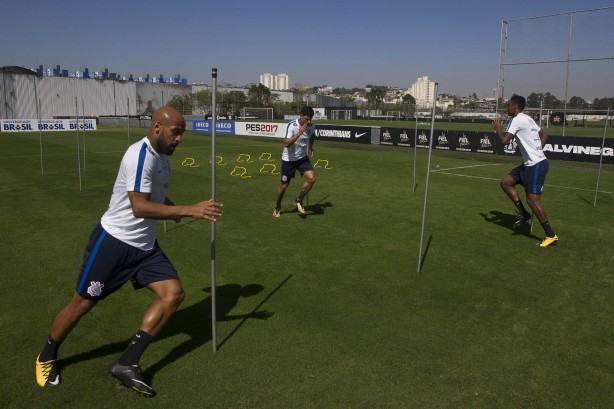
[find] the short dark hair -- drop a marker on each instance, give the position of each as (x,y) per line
(307,111)
(519,101)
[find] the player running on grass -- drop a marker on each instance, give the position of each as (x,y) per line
(532,172)
(299,134)
(123,247)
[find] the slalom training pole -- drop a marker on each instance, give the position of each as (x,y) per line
(601,156)
(78,148)
(213,164)
(128,117)
(428,172)
(415,148)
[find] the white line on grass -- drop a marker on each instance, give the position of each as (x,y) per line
(546,185)
(465,167)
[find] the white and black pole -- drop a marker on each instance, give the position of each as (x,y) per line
(213,164)
(37,101)
(605,130)
(428,171)
(128,117)
(83,122)
(415,148)
(78,148)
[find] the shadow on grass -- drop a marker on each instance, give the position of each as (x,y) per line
(194,321)
(507,221)
(426,250)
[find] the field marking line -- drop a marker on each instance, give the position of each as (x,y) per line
(466,167)
(546,185)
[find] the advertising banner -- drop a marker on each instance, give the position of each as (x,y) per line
(271,129)
(353,134)
(47,125)
(583,149)
(204,125)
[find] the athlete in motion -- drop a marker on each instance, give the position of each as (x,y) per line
(299,134)
(123,247)
(532,172)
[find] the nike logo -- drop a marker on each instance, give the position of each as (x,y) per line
(138,336)
(358,135)
(54,382)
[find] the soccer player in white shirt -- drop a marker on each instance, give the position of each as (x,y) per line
(532,172)
(123,247)
(298,142)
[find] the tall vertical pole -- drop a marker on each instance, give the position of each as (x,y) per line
(83,122)
(128,116)
(213,164)
(605,130)
(428,172)
(415,147)
(38,118)
(78,148)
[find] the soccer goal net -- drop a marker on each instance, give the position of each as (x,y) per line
(256,113)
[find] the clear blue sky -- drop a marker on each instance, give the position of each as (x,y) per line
(342,43)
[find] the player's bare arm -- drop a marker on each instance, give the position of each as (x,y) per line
(543,137)
(294,138)
(506,137)
(143,208)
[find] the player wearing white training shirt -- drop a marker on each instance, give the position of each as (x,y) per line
(123,247)
(300,135)
(142,170)
(532,172)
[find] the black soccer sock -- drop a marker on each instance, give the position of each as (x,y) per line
(50,350)
(547,229)
(278,204)
(520,207)
(137,346)
(301,196)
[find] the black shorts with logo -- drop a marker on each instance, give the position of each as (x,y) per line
(108,263)
(289,168)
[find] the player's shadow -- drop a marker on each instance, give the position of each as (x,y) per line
(194,321)
(507,221)
(317,207)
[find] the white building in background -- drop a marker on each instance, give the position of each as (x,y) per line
(423,92)
(268,80)
(277,82)
(282,82)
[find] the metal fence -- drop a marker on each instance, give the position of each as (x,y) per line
(562,63)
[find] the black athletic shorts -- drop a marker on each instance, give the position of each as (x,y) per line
(108,263)
(289,168)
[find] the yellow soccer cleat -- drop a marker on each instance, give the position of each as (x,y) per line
(47,373)
(299,206)
(549,241)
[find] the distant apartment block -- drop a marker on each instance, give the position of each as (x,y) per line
(277,82)
(423,91)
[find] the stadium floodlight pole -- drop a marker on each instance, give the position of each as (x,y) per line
(428,171)
(213,164)
(605,130)
(78,148)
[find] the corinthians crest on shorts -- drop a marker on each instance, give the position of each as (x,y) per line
(95,288)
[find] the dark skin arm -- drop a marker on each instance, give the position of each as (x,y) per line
(143,208)
(289,141)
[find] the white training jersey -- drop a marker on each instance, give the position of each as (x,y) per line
(298,149)
(526,131)
(142,170)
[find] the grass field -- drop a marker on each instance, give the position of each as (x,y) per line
(322,311)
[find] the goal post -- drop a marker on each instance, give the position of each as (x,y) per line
(256,113)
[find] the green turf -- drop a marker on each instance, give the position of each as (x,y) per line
(322,311)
